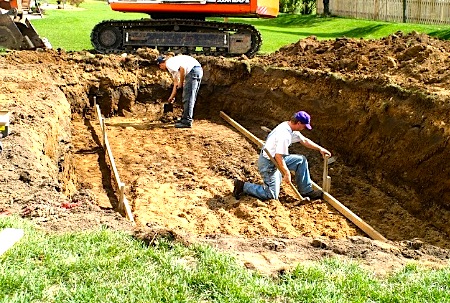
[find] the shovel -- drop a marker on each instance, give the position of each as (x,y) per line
(168,108)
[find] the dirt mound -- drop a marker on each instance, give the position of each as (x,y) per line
(409,60)
(179,182)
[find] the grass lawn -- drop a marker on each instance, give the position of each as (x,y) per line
(288,29)
(107,266)
(71,29)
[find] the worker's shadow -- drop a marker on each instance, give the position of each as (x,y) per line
(290,201)
(102,162)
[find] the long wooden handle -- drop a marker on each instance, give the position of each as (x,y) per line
(279,168)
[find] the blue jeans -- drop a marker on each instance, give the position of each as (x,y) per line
(272,177)
(190,90)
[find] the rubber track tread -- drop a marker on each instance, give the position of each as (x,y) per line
(154,24)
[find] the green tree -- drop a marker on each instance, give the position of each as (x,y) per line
(326,7)
(308,7)
(304,7)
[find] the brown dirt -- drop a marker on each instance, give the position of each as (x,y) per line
(381,106)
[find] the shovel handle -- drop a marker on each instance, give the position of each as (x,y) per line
(290,183)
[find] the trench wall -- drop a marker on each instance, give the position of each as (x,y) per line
(400,137)
(36,163)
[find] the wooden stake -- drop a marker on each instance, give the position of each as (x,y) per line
(103,124)
(325,179)
(128,210)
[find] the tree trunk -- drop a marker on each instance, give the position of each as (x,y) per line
(326,7)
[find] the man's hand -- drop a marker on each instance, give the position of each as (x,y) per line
(324,152)
(282,167)
(287,177)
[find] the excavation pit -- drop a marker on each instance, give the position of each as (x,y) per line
(389,135)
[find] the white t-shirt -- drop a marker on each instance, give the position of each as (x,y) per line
(280,138)
(173,64)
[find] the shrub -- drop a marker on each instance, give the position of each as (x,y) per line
(304,7)
(76,2)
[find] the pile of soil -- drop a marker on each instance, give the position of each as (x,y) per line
(179,181)
(412,61)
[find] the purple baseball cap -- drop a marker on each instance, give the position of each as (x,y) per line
(160,59)
(304,118)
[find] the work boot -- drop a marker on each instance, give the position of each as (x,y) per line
(314,195)
(238,188)
(182,125)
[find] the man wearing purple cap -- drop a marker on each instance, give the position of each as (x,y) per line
(277,144)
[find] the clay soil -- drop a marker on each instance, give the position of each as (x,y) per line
(381,107)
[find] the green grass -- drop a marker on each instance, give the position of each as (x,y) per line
(287,29)
(70,29)
(107,266)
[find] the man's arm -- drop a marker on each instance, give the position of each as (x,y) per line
(182,75)
(312,145)
(283,168)
(174,88)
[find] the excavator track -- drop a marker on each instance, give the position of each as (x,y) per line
(191,37)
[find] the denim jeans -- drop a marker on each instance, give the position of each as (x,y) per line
(190,90)
(272,177)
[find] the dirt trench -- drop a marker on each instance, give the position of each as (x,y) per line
(389,141)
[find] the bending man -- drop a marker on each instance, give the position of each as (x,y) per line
(187,73)
(277,143)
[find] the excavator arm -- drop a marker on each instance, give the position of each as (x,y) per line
(17,32)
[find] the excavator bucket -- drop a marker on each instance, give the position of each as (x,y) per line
(19,35)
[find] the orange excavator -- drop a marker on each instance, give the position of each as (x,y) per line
(180,26)
(16,31)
